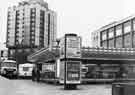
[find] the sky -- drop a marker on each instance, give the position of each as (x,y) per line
(77,16)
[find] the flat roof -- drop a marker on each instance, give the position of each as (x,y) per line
(115,23)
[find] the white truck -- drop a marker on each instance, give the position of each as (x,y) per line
(8,68)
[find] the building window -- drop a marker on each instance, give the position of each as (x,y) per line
(17,42)
(104,43)
(111,43)
(134,40)
(127,41)
(134,24)
(127,27)
(32,37)
(32,33)
(104,35)
(33,14)
(119,42)
(119,30)
(33,10)
(32,22)
(32,42)
(33,19)
(111,33)
(96,37)
(33,28)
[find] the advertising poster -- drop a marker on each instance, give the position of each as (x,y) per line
(73,47)
(73,72)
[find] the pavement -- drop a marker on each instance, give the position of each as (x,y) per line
(27,87)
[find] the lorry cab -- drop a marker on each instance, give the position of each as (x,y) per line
(8,68)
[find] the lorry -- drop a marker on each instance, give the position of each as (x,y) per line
(8,68)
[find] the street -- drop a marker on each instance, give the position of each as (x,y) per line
(27,87)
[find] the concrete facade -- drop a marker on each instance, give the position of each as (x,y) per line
(31,24)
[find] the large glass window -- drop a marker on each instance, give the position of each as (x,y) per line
(134,24)
(127,27)
(104,44)
(134,40)
(111,33)
(119,42)
(118,30)
(104,35)
(111,42)
(127,41)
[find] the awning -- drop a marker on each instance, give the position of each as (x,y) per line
(44,55)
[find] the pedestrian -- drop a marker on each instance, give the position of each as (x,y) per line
(38,75)
(33,74)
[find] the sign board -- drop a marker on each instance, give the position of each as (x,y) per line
(72,45)
(72,72)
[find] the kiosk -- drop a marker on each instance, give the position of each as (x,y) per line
(70,66)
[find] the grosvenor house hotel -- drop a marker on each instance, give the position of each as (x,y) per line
(119,34)
(31,25)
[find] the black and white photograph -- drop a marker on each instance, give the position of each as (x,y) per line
(67,47)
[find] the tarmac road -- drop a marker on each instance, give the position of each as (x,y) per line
(27,87)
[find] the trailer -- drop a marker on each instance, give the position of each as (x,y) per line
(25,70)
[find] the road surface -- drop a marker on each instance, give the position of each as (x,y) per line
(27,87)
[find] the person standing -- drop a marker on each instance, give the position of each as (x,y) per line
(33,74)
(38,75)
